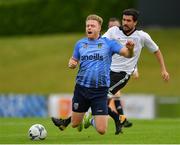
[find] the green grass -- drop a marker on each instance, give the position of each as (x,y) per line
(150,79)
(159,131)
(38,64)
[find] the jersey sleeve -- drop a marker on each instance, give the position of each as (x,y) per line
(115,46)
(107,34)
(149,43)
(110,32)
(76,53)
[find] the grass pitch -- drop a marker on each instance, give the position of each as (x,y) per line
(159,131)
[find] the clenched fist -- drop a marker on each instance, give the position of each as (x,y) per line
(72,63)
(130,44)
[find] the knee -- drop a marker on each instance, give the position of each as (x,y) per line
(74,124)
(76,119)
(101,130)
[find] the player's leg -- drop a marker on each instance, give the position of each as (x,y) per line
(119,108)
(99,109)
(111,113)
(80,105)
(114,116)
(116,119)
(90,120)
(101,123)
(118,81)
(77,120)
(117,103)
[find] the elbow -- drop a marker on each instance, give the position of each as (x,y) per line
(129,55)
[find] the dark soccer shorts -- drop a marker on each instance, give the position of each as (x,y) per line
(118,81)
(84,98)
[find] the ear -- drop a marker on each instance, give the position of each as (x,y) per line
(99,28)
(135,23)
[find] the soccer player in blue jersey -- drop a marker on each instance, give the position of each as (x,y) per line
(94,54)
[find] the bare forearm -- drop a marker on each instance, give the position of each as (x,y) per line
(160,59)
(128,51)
(164,73)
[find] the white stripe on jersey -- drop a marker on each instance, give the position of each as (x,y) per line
(140,38)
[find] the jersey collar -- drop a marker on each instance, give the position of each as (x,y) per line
(125,33)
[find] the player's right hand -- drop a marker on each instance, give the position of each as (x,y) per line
(72,63)
(130,44)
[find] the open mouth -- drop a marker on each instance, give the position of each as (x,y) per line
(89,32)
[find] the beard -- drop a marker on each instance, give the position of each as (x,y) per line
(127,29)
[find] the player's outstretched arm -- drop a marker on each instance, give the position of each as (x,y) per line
(164,73)
(128,51)
(72,63)
(135,74)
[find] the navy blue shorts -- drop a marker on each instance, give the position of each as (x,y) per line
(96,98)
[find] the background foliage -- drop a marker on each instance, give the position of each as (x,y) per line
(54,16)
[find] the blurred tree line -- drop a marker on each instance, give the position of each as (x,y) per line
(55,16)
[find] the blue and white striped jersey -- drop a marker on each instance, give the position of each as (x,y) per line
(95,58)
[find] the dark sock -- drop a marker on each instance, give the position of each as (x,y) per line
(113,114)
(69,120)
(119,107)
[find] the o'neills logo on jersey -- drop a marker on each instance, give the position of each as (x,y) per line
(96,56)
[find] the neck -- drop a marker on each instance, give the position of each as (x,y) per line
(95,37)
(129,32)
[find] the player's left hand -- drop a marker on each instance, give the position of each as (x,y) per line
(135,74)
(165,75)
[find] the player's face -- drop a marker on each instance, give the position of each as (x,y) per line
(113,23)
(128,23)
(93,29)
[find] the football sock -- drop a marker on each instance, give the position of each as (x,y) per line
(92,121)
(122,118)
(118,107)
(113,114)
(69,120)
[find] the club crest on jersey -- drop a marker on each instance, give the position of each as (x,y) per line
(100,45)
(85,45)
